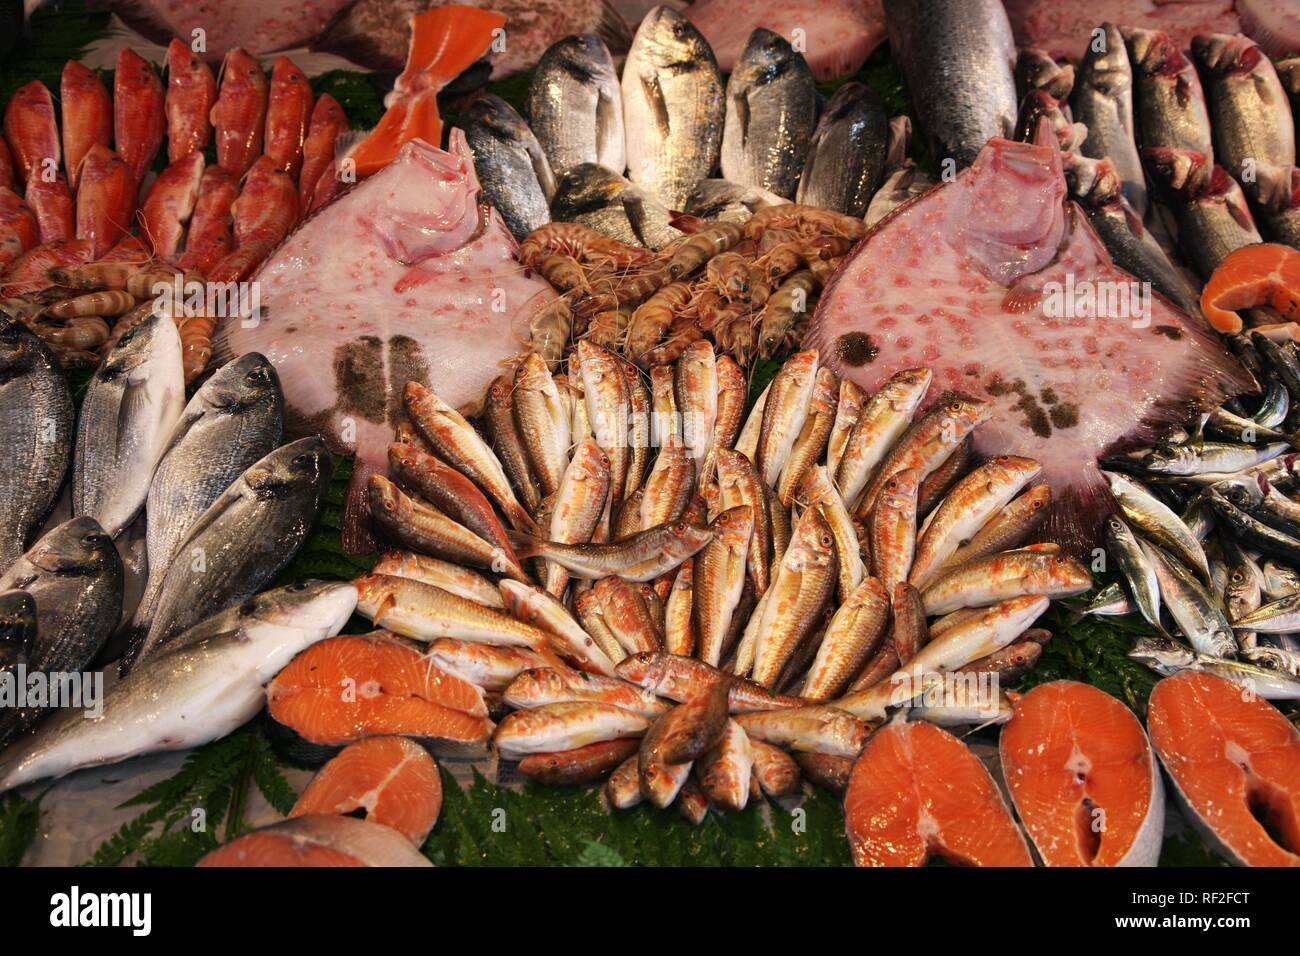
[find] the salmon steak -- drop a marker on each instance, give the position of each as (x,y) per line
(392,780)
(1004,291)
(349,688)
(1234,761)
(916,791)
(318,840)
(1083,778)
(409,276)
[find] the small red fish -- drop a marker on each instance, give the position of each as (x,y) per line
(210,237)
(87,115)
(27,272)
(191,91)
(170,203)
(267,208)
(139,118)
(31,129)
(51,202)
(6,165)
(287,115)
(105,199)
(18,227)
(328,122)
(239,115)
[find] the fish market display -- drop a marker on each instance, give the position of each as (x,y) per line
(392,779)
(838,36)
(917,791)
(462,272)
(1004,332)
(1232,758)
(1083,778)
(199,687)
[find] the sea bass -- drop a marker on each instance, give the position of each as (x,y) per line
(437,265)
(968,281)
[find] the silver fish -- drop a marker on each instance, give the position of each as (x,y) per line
(957,61)
(673,107)
(727,201)
(130,410)
(1166,656)
(1168,101)
(512,170)
(36,432)
(1249,114)
(240,543)
(1137,568)
(203,685)
(603,200)
(74,576)
(233,420)
(846,159)
(17,629)
(1103,102)
(771,112)
(1197,612)
(575,105)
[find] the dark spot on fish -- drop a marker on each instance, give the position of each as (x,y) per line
(1048,396)
(1065,415)
(405,363)
(856,349)
(359,380)
(291,330)
(1171,332)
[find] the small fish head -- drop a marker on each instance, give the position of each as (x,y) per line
(1068,574)
(734,526)
(74,547)
(647,668)
(305,461)
(248,380)
(671,40)
(19,349)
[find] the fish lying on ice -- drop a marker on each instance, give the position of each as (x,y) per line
(971,280)
(441,300)
(201,687)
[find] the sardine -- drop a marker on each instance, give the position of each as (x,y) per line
(956,59)
(241,542)
(575,105)
(36,430)
(673,106)
(1197,612)
(1167,656)
(1137,567)
(846,156)
(512,169)
(1157,521)
(233,420)
(771,111)
(200,687)
(127,417)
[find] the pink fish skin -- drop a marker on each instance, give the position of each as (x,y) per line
(1273,24)
(982,280)
(837,35)
(1063,29)
(431,292)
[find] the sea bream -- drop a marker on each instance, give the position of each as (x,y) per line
(575,105)
(432,294)
(986,280)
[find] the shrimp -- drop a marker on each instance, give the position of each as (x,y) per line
(700,247)
(738,336)
(681,334)
(550,328)
(580,242)
(608,328)
(196,343)
(790,304)
(728,272)
(654,316)
(805,219)
(110,303)
(84,333)
(563,272)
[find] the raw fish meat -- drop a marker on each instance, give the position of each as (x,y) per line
(836,36)
(259,26)
(1064,28)
(406,276)
(985,280)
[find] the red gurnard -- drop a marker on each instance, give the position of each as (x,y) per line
(210,237)
(432,293)
(239,115)
(287,115)
(51,202)
(170,203)
(139,115)
(87,116)
(1007,294)
(328,122)
(105,199)
(267,208)
(31,130)
(19,230)
(191,91)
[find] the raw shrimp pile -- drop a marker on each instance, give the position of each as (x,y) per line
(77,216)
(748,288)
(697,603)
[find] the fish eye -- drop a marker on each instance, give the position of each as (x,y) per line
(247,608)
(302,459)
(298,586)
(827,541)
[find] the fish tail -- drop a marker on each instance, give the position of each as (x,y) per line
(525,544)
(358,538)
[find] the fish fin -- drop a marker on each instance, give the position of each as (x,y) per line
(135,645)
(900,134)
(741,102)
(613,29)
(654,95)
(358,538)
(634,209)
(525,545)
(135,399)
